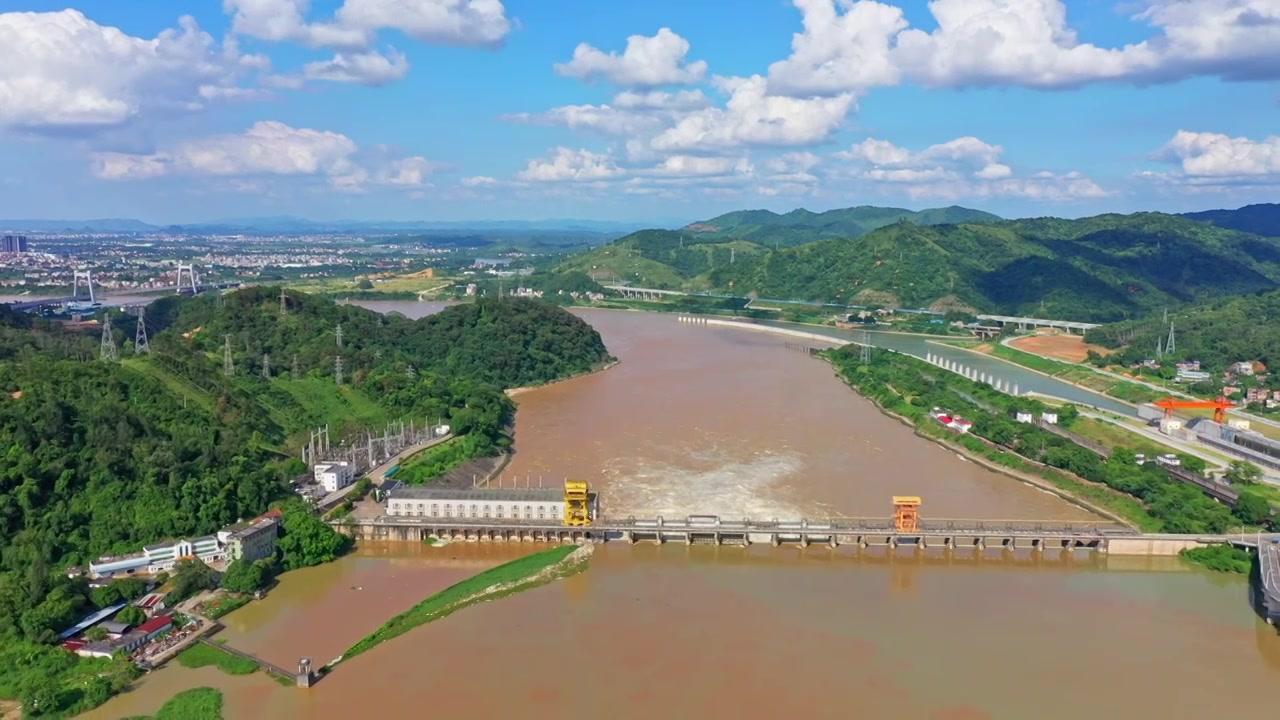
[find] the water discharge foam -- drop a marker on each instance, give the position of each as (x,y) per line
(754,488)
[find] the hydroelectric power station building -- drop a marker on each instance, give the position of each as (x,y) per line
(548,505)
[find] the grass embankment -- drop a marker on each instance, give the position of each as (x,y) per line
(204,655)
(522,574)
(1075,374)
(1221,558)
(202,703)
(1092,496)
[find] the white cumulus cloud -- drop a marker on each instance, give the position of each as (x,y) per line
(852,45)
(356,23)
(753,118)
(61,70)
(566,164)
(366,68)
(962,168)
(645,63)
(1214,158)
(268,148)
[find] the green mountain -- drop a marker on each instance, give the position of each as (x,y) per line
(802,226)
(662,259)
(1262,219)
(102,457)
(1102,268)
(1217,334)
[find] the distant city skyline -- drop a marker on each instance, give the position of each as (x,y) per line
(483,110)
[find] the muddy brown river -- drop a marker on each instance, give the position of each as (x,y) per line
(699,419)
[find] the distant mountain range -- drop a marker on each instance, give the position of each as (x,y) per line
(1262,219)
(1100,269)
(764,227)
(802,226)
(285,225)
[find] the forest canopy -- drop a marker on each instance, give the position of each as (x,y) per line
(102,457)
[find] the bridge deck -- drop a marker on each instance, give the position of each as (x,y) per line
(1269,568)
(828,526)
(274,669)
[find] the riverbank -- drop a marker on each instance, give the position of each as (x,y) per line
(513,392)
(522,574)
(1143,495)
(1059,488)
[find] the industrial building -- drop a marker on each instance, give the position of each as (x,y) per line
(253,540)
(573,504)
(250,541)
(1239,441)
(334,476)
(128,642)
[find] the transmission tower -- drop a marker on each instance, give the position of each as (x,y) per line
(140,343)
(338,332)
(109,351)
(294,374)
(227,367)
(865,351)
(337,369)
(266,366)
(1169,346)
(284,303)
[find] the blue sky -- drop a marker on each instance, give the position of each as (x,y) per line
(658,111)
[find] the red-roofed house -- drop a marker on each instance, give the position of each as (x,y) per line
(155,626)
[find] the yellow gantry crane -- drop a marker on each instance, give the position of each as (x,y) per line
(577,503)
(906,513)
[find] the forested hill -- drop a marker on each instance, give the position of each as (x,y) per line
(1217,334)
(106,456)
(1101,269)
(506,343)
(803,226)
(1261,219)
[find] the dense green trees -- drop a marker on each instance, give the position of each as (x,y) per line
(305,539)
(131,615)
(246,577)
(1217,334)
(105,457)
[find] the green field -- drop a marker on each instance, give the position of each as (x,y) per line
(205,655)
(202,703)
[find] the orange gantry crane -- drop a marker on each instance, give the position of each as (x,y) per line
(1220,406)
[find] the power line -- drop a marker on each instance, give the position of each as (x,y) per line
(284,303)
(337,370)
(228,368)
(338,332)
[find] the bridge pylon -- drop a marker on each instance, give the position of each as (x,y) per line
(85,276)
(190,270)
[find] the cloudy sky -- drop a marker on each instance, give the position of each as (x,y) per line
(657,110)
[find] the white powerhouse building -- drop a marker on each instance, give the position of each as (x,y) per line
(496,504)
(335,476)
